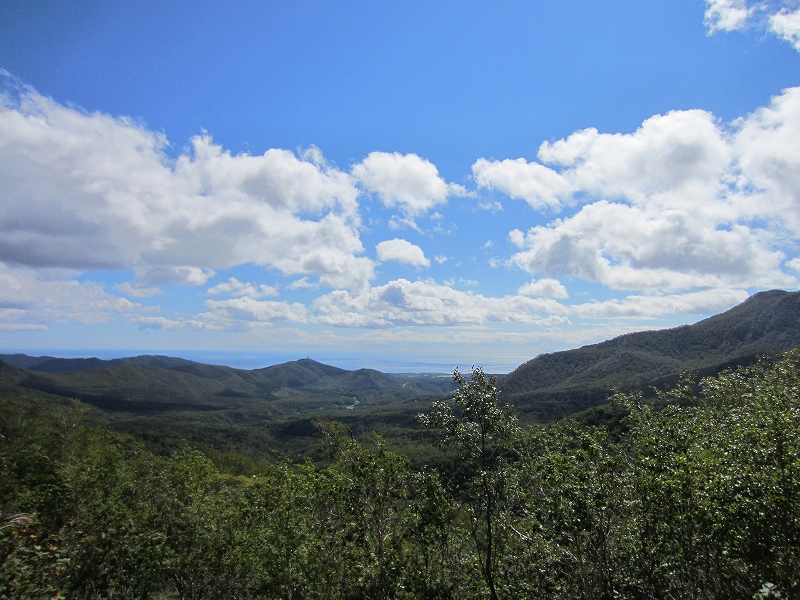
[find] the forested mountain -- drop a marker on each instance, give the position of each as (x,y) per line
(213,495)
(51,364)
(168,402)
(700,499)
(165,400)
(159,383)
(554,385)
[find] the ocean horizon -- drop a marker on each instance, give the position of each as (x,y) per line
(239,359)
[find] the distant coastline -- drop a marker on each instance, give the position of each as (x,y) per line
(257,360)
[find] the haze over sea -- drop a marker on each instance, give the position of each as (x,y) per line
(257,360)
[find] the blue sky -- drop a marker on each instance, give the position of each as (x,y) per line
(399,185)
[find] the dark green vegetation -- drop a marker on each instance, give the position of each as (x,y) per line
(552,386)
(156,477)
(700,499)
(166,401)
(268,413)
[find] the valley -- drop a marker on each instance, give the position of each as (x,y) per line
(270,413)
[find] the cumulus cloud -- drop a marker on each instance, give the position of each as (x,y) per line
(194,276)
(786,24)
(772,16)
(138,290)
(766,145)
(89,191)
(537,185)
(673,159)
(794,264)
(682,203)
(406,181)
(726,15)
(546,288)
(402,251)
(302,283)
(402,302)
(28,301)
(234,287)
(626,247)
(264,311)
(703,302)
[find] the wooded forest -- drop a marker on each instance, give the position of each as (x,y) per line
(693,494)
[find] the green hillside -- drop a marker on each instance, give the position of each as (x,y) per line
(147,383)
(700,499)
(554,385)
(167,401)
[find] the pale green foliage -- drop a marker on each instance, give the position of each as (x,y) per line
(700,498)
(483,435)
(484,429)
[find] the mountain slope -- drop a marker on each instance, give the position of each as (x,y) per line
(50,364)
(553,385)
(148,384)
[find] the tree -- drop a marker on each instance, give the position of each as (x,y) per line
(483,436)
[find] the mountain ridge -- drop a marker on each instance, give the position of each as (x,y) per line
(767,322)
(146,383)
(548,387)
(167,402)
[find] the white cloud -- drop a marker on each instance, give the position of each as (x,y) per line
(537,185)
(627,247)
(302,283)
(171,324)
(234,287)
(545,288)
(517,238)
(772,16)
(406,181)
(494,207)
(248,309)
(28,301)
(194,276)
(138,290)
(786,24)
(726,15)
(704,302)
(682,203)
(89,191)
(402,302)
(767,162)
(675,160)
(402,251)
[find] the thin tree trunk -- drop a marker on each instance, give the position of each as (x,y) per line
(489,541)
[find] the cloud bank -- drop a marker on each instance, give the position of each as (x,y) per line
(681,216)
(88,191)
(682,203)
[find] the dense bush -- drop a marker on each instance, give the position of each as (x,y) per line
(698,499)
